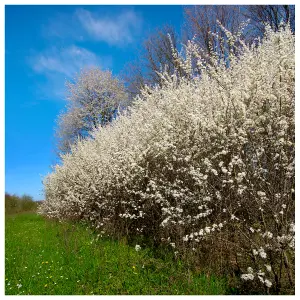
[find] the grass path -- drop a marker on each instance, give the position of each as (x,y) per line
(50,258)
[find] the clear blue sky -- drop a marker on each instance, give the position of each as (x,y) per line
(44,46)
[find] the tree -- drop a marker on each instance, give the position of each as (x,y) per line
(201,24)
(155,56)
(273,15)
(94,98)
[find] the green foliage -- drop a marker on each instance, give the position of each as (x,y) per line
(15,204)
(45,257)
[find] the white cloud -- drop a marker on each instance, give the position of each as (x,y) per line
(58,64)
(65,61)
(115,30)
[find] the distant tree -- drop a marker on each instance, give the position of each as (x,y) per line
(15,204)
(94,98)
(156,55)
(134,77)
(203,26)
(273,15)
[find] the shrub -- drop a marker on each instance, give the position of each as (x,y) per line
(200,164)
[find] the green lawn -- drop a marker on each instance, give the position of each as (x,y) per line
(45,257)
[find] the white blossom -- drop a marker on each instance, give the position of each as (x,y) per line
(247,277)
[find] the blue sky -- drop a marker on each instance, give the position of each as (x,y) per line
(44,46)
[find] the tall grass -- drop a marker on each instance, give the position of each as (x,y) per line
(44,257)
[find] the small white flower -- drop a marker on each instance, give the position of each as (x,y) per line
(185,238)
(137,248)
(268,267)
(250,270)
(262,253)
(207,229)
(283,205)
(268,283)
(261,194)
(19,285)
(247,277)
(254,252)
(214,172)
(260,279)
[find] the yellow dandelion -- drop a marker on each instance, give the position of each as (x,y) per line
(46,262)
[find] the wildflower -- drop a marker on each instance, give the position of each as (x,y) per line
(137,248)
(19,285)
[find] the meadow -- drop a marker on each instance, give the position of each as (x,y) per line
(46,257)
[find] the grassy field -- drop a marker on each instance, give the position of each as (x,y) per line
(44,257)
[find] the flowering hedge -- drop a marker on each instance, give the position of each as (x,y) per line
(198,160)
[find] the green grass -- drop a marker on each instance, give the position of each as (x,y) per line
(51,258)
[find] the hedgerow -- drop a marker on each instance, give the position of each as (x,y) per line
(203,162)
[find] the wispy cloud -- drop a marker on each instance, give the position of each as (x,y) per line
(66,61)
(118,29)
(115,30)
(57,65)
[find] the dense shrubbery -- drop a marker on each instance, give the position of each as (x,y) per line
(200,164)
(15,204)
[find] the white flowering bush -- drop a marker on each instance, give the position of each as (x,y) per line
(202,161)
